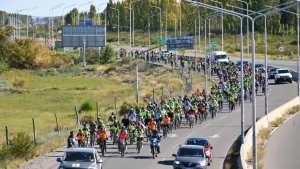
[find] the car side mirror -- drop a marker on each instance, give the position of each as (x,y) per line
(174,155)
(59,160)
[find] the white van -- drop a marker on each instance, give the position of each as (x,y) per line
(220,57)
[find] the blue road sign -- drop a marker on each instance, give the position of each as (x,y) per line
(180,43)
(86,22)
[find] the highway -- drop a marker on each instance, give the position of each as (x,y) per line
(282,149)
(222,132)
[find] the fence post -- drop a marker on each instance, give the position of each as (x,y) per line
(97,113)
(6,136)
(56,121)
(77,116)
(153,94)
(115,101)
(34,133)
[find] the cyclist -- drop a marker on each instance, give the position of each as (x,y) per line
(71,140)
(102,138)
(80,138)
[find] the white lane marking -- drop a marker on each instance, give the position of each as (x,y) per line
(173,135)
(214,136)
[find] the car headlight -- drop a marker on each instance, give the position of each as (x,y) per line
(177,162)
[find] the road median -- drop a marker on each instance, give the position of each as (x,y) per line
(266,122)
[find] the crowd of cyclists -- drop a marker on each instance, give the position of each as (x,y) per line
(158,119)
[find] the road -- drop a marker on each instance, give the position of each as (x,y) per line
(282,149)
(222,132)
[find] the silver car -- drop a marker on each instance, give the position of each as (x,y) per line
(80,158)
(190,157)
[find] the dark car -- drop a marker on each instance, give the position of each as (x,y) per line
(271,73)
(190,157)
(202,141)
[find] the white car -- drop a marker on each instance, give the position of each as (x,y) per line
(283,75)
(80,158)
(220,57)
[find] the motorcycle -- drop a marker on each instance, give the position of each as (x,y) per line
(154,144)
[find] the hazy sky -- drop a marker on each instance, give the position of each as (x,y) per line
(43,7)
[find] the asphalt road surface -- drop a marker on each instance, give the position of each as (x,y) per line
(282,149)
(222,132)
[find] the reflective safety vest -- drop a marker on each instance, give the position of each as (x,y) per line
(152,125)
(166,121)
(102,135)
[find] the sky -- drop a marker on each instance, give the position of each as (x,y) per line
(43,7)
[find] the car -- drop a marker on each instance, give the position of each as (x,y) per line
(257,66)
(83,158)
(239,64)
(271,73)
(190,157)
(283,75)
(220,57)
(202,141)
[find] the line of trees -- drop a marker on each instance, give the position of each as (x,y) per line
(145,14)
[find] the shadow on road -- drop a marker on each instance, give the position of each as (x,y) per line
(166,162)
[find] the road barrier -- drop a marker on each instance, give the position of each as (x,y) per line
(263,123)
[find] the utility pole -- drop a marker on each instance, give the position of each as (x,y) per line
(205,51)
(180,19)
(196,49)
(199,35)
(133,27)
(149,34)
(137,84)
(166,28)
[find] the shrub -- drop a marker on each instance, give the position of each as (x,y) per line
(86,106)
(125,108)
(21,146)
(18,83)
(87,119)
(107,54)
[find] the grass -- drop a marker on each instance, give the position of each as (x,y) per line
(231,43)
(40,94)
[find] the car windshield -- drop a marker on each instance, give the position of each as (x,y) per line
(220,56)
(283,71)
(79,156)
(190,152)
(199,142)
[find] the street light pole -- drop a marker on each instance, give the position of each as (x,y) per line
(205,51)
(247,8)
(222,22)
(159,19)
(118,11)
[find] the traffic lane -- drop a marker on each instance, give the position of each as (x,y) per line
(282,149)
(222,132)
(292,65)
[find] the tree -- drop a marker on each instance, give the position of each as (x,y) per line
(107,55)
(93,13)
